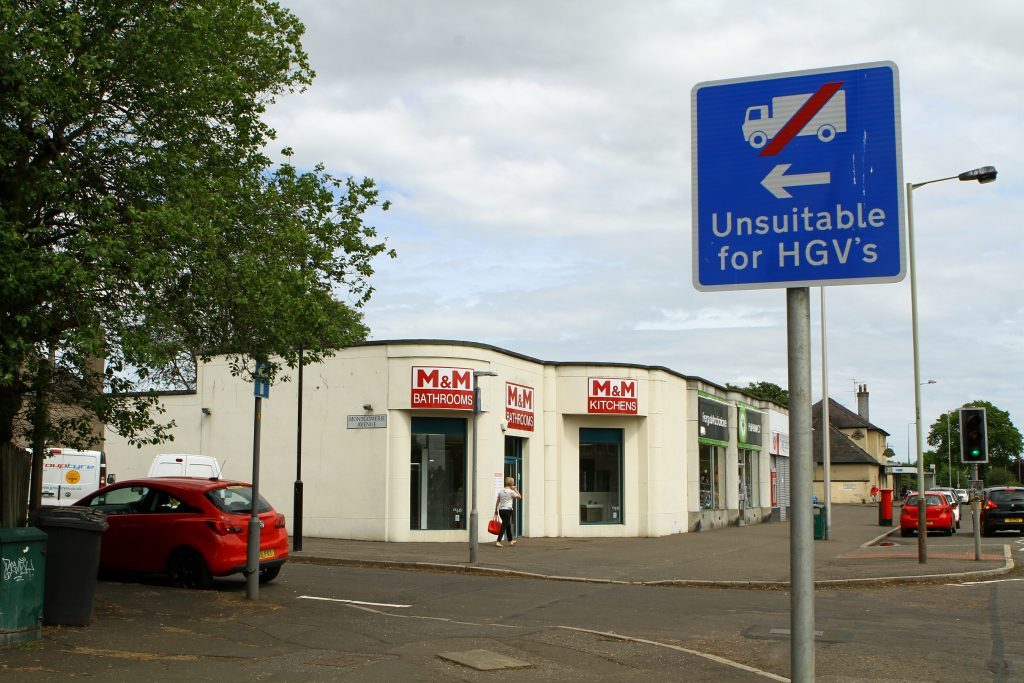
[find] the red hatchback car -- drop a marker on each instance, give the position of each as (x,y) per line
(938,514)
(188,528)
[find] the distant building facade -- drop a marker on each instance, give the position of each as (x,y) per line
(858,452)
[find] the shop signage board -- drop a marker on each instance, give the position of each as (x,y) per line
(367,422)
(780,443)
(749,426)
(519,406)
(611,396)
(713,420)
(798,179)
(440,388)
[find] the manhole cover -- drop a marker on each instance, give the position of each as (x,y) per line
(484,660)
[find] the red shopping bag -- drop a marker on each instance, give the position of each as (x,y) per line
(494,527)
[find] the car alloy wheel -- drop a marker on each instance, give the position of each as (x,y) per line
(268,574)
(188,570)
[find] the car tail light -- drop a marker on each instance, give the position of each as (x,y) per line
(990,505)
(222,527)
(279,522)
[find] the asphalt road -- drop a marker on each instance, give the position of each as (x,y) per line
(327,623)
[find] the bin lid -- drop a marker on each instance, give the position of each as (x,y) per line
(22,534)
(72,517)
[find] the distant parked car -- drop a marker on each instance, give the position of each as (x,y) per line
(961,494)
(191,529)
(1002,510)
(938,514)
(954,503)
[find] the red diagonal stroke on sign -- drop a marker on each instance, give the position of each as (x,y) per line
(801,118)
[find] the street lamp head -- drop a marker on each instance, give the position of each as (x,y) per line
(985,174)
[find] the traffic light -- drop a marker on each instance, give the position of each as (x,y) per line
(973,436)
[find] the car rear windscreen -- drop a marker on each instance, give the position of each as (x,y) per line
(1015,496)
(236,500)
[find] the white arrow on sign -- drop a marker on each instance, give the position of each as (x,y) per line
(777,181)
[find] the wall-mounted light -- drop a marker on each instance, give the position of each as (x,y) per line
(367,406)
(207,411)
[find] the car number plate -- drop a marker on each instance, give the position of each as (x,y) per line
(1014,520)
(267,554)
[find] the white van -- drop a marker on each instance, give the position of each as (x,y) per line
(185,465)
(69,475)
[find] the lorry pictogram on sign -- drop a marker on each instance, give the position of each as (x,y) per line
(822,114)
(798,179)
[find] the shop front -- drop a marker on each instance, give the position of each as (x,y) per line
(598,450)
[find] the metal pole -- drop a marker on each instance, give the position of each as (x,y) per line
(252,551)
(922,517)
(474,518)
(801,529)
(976,517)
(949,450)
(297,501)
(826,443)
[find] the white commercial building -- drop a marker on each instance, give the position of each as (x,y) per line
(387,431)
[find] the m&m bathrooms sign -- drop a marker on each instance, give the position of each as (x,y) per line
(611,396)
(519,406)
(442,388)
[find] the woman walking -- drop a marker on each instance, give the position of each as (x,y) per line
(503,508)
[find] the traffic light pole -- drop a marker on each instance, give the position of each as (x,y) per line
(976,517)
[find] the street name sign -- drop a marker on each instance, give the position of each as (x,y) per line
(798,179)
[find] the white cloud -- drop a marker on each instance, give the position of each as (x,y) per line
(538,156)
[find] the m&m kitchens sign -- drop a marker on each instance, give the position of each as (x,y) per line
(611,396)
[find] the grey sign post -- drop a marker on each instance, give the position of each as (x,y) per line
(474,517)
(261,390)
(778,180)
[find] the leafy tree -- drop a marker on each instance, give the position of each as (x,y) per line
(142,223)
(765,390)
(1004,439)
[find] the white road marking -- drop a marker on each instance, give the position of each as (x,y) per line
(721,660)
(705,655)
(350,602)
(981,583)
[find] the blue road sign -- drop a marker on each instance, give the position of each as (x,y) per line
(261,382)
(798,179)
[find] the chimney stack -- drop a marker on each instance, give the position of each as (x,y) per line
(862,401)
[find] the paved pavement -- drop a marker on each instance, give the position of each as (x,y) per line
(148,631)
(859,550)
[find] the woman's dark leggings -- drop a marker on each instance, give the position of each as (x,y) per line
(506,524)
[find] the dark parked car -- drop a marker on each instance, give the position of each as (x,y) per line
(190,529)
(1003,510)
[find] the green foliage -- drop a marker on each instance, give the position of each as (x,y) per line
(140,219)
(1005,443)
(998,476)
(765,390)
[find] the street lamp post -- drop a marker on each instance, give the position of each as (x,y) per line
(984,174)
(949,450)
(474,517)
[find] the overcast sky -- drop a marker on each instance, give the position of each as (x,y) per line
(537,154)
